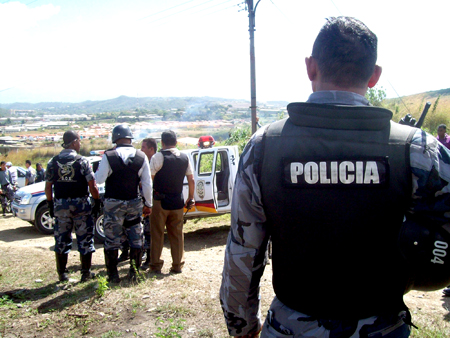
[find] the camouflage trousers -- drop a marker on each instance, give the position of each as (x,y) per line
(8,194)
(121,222)
(73,213)
(282,321)
(147,235)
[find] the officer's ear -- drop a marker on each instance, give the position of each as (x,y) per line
(311,68)
(375,77)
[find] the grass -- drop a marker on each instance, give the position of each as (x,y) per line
(430,326)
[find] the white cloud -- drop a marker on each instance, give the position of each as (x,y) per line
(16,17)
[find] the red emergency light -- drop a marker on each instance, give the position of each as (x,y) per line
(206,142)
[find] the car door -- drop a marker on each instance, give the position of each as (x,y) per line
(21,173)
(205,181)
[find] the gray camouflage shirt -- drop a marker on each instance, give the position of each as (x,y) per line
(239,292)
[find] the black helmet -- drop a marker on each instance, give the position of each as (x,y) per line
(424,244)
(121,131)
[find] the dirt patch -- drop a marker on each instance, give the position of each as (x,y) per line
(35,305)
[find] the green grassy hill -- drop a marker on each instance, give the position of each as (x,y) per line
(439,111)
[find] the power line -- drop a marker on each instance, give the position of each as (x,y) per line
(176,12)
(165,10)
(336,7)
(190,8)
(204,9)
(399,96)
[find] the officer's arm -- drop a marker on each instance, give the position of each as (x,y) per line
(93,189)
(245,252)
(103,171)
(191,185)
(146,184)
(48,190)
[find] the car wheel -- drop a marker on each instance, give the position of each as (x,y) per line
(44,223)
(99,233)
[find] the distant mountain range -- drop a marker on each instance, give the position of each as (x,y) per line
(405,104)
(124,103)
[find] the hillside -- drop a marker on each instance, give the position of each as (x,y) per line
(121,103)
(439,111)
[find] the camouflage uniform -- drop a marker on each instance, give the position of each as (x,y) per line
(246,249)
(147,236)
(72,213)
(6,186)
(117,213)
(123,205)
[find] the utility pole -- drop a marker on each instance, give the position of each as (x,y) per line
(251,29)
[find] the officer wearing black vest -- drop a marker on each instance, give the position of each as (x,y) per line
(122,169)
(71,178)
(168,168)
(330,186)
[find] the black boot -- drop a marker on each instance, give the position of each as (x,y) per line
(86,273)
(146,264)
(111,265)
(135,263)
(124,255)
(61,262)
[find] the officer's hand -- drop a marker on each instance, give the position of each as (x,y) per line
(147,211)
(189,203)
(96,208)
(408,120)
(51,208)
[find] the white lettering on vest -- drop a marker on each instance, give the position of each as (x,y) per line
(345,172)
(296,170)
(311,172)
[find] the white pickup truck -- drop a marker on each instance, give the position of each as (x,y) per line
(214,173)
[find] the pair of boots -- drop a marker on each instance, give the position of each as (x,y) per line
(112,259)
(86,262)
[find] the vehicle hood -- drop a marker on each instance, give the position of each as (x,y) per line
(33,188)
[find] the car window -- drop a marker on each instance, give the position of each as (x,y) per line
(21,173)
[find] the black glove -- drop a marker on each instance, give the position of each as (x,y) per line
(96,207)
(51,208)
(408,120)
(189,204)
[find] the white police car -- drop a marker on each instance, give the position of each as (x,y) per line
(214,168)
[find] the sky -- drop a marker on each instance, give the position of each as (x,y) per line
(73,51)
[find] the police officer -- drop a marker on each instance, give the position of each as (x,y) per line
(330,186)
(169,167)
(6,185)
(71,177)
(122,169)
(40,173)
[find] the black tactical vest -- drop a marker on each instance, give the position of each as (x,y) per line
(168,181)
(335,183)
(68,180)
(123,183)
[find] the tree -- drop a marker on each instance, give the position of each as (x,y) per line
(376,96)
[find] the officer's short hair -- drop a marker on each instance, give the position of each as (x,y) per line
(442,126)
(28,162)
(169,138)
(150,143)
(2,163)
(346,52)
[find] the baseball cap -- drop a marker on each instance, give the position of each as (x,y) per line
(8,164)
(68,137)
